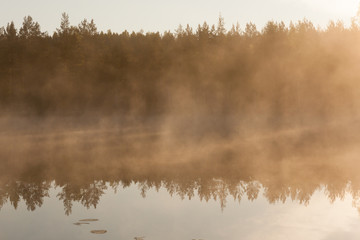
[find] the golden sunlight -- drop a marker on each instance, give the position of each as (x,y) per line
(337,8)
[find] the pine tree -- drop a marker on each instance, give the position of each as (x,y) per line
(64,25)
(10,31)
(29,28)
(220,30)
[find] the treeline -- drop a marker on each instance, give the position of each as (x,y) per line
(278,76)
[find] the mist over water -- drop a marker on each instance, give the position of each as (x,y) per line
(206,113)
(80,173)
(286,165)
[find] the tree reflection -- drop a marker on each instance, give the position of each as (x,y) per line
(286,168)
(32,193)
(89,194)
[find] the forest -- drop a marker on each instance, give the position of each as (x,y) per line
(203,80)
(278,77)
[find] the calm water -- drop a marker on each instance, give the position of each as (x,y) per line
(134,183)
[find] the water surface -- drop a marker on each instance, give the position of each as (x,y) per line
(123,183)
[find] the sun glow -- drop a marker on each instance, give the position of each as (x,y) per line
(337,8)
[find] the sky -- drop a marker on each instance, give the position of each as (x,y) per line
(164,15)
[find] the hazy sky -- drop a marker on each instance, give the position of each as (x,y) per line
(161,15)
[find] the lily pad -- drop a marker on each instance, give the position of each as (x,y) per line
(80,223)
(89,220)
(98,231)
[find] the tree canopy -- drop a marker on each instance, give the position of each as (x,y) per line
(288,75)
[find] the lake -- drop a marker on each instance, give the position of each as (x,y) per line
(152,183)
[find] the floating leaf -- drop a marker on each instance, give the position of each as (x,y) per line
(89,220)
(80,223)
(98,231)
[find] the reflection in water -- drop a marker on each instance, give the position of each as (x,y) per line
(83,164)
(218,189)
